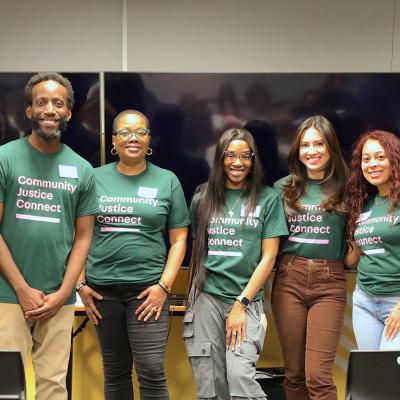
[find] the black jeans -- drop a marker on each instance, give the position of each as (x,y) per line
(124,340)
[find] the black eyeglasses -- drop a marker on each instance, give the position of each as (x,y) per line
(232,155)
(128,134)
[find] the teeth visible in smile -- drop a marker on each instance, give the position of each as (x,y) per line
(375,174)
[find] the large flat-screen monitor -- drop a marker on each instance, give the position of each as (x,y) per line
(83,131)
(189,111)
(373,375)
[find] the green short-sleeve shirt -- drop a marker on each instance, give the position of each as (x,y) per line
(377,234)
(235,242)
(136,212)
(314,233)
(43,194)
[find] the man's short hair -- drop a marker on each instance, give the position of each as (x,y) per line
(49,76)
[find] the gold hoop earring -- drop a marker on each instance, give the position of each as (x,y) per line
(113,151)
(149,151)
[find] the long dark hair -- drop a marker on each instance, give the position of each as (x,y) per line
(358,188)
(212,196)
(333,183)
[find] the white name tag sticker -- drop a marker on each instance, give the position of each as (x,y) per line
(68,171)
(254,214)
(148,192)
(364,216)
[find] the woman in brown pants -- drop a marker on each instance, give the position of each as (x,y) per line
(309,293)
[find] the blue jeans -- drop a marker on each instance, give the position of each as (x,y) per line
(369,315)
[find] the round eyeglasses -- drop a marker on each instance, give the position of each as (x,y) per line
(232,155)
(128,134)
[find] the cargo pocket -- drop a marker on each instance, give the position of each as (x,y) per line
(200,357)
(247,350)
(188,327)
(262,330)
(241,372)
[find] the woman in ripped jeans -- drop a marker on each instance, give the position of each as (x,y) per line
(236,225)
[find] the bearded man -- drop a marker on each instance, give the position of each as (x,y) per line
(47,203)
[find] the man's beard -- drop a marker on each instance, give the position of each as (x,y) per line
(50,135)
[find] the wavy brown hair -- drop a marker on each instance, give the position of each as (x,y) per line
(359,189)
(212,196)
(333,183)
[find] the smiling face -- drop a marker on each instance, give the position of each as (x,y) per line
(375,166)
(313,153)
(236,166)
(133,150)
(49,112)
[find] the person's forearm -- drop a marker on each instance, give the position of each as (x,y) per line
(259,277)
(352,256)
(78,255)
(75,265)
(175,257)
(82,275)
(9,269)
(256,282)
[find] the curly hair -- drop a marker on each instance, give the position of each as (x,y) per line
(332,186)
(49,76)
(359,189)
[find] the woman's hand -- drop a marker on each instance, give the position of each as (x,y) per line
(153,304)
(86,293)
(393,323)
(236,326)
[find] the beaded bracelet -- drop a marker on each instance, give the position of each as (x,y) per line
(80,285)
(165,287)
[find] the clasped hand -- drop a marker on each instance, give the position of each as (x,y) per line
(38,306)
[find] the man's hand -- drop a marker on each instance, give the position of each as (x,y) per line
(30,299)
(51,304)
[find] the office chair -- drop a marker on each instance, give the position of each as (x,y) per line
(12,376)
(373,375)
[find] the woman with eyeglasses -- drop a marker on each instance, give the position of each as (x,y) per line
(374,228)
(309,290)
(129,272)
(236,225)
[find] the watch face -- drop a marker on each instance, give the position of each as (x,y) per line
(244,300)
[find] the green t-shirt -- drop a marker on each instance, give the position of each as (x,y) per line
(128,246)
(377,234)
(314,233)
(235,242)
(43,194)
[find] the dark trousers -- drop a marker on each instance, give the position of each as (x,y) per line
(308,300)
(124,340)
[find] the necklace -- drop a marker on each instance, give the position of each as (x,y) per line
(230,212)
(380,203)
